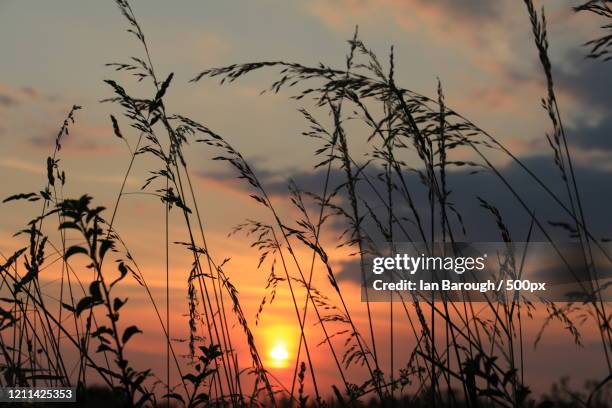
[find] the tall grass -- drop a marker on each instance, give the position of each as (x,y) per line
(462,355)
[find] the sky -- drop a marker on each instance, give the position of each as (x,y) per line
(54,56)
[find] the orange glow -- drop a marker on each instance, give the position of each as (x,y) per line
(280,344)
(279,355)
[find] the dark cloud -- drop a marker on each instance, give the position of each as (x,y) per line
(350,270)
(10,96)
(230,178)
(590,82)
(587,79)
(598,137)
(31,92)
(43,142)
(465,188)
(7,100)
(469,9)
(466,18)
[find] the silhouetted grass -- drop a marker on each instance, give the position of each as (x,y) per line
(461,357)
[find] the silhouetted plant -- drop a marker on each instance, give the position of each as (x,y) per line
(599,47)
(460,357)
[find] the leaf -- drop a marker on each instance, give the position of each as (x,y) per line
(123,270)
(129,332)
(73,250)
(259,199)
(175,396)
(94,290)
(140,378)
(118,303)
(105,245)
(146,397)
(27,278)
(164,87)
(28,196)
(46,194)
(105,371)
(122,363)
(11,260)
(69,225)
(86,303)
(201,397)
(509,375)
(102,330)
(103,347)
(50,167)
(68,307)
(339,396)
(154,120)
(191,378)
(116,127)
(5,314)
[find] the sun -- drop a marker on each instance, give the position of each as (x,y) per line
(278,343)
(279,355)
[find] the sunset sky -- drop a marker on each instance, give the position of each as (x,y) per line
(53,55)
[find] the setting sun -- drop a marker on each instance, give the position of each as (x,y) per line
(279,355)
(280,339)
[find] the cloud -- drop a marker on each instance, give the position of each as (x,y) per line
(32,122)
(589,82)
(11,96)
(457,10)
(39,169)
(465,188)
(7,100)
(197,47)
(226,177)
(22,165)
(349,270)
(593,137)
(469,9)
(469,19)
(581,87)
(221,180)
(36,118)
(82,140)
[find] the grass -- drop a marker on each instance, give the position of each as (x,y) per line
(461,356)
